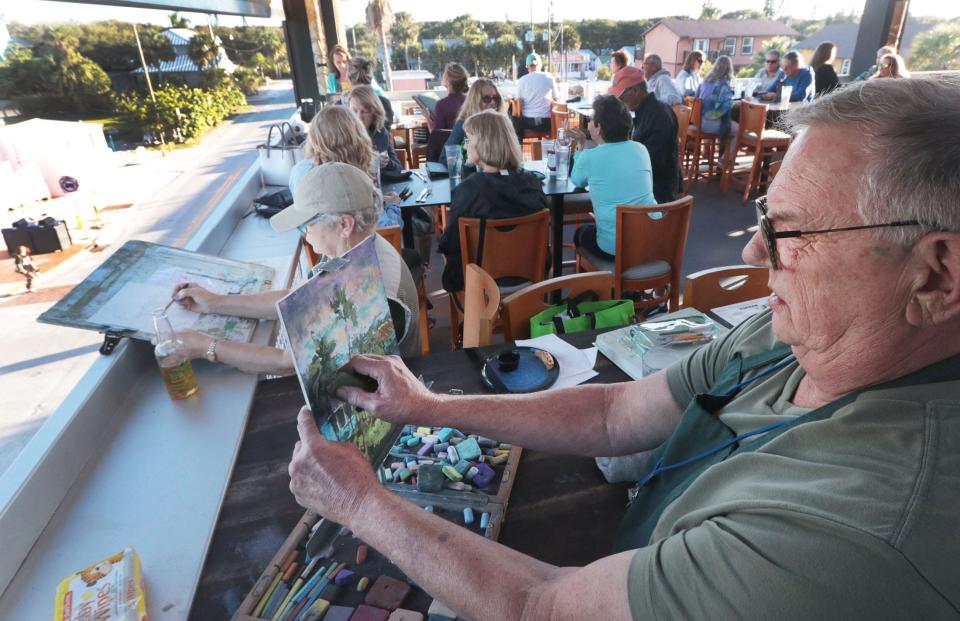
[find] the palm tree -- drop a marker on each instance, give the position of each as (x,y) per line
(178,21)
(379,20)
(405,32)
(202,50)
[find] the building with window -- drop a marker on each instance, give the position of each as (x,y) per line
(844,36)
(674,39)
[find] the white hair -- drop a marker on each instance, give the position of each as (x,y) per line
(909,132)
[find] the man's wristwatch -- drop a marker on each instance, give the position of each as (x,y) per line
(211,354)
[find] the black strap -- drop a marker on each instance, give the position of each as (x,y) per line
(573,305)
(558,324)
(483,236)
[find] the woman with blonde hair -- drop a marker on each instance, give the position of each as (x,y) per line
(891,66)
(483,95)
(447,110)
(717,96)
(360,72)
(366,105)
(499,189)
(337,60)
(824,75)
(337,135)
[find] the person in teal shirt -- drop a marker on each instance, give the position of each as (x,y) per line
(618,172)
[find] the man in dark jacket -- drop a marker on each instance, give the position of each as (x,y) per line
(655,127)
(504,194)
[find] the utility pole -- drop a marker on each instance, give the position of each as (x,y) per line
(153,98)
(550,36)
(213,41)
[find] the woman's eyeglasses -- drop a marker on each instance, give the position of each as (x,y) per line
(770,236)
(490,99)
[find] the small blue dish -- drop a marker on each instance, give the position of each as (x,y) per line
(529,374)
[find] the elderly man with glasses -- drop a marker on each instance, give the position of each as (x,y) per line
(806,465)
(770,74)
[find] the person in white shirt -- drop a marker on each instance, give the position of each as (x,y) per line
(659,81)
(688,80)
(537,91)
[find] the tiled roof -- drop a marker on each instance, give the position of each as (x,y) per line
(717,28)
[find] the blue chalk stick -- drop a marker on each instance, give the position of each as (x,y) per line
(467,515)
(484,520)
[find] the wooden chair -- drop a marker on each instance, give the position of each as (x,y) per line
(720,286)
(393,234)
(683,129)
(481,306)
(514,254)
(518,307)
(559,117)
(402,156)
(701,146)
(755,140)
(649,253)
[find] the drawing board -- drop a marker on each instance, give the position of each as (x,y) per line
(120,295)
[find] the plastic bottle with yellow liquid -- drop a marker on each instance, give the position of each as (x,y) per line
(175,366)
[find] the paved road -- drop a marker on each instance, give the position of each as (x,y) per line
(171,196)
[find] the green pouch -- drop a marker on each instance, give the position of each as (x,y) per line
(578,315)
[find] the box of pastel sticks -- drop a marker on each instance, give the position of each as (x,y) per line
(323,572)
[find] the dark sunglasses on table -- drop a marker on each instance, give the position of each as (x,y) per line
(770,236)
(490,99)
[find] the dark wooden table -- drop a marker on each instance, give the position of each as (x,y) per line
(442,190)
(561,509)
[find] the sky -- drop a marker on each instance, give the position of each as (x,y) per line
(351,11)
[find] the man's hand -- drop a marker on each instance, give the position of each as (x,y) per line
(330,478)
(400,397)
(193,297)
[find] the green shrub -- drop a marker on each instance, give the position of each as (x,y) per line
(603,72)
(747,72)
(248,80)
(192,111)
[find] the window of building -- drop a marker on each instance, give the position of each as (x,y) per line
(746,49)
(845,67)
(701,44)
(730,46)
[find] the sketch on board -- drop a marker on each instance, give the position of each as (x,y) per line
(340,312)
(139,277)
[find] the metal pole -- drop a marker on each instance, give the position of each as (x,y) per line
(550,36)
(213,41)
(153,98)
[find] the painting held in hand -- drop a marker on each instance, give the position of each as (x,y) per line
(340,312)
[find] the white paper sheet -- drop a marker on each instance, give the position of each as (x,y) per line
(735,314)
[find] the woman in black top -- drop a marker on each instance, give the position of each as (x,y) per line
(825,76)
(499,189)
(366,105)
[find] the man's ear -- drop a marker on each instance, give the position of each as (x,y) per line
(936,296)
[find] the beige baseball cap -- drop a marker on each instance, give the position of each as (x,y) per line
(329,188)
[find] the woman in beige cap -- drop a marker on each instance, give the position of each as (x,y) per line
(336,206)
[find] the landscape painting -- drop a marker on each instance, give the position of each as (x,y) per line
(340,312)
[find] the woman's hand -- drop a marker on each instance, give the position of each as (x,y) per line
(195,343)
(390,198)
(330,478)
(384,158)
(193,297)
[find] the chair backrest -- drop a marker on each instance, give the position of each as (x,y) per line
(753,118)
(696,112)
(514,247)
(683,123)
(402,157)
(393,234)
(558,117)
(725,285)
(481,305)
(435,143)
(641,239)
(520,306)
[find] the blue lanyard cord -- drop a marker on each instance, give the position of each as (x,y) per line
(659,468)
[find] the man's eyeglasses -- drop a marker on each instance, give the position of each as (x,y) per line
(770,236)
(773,62)
(490,99)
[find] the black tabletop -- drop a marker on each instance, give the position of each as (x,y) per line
(561,509)
(442,188)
